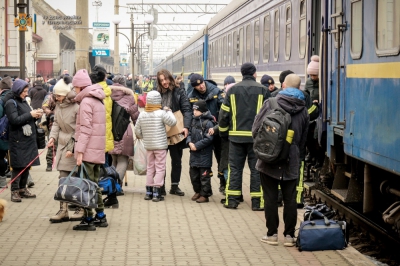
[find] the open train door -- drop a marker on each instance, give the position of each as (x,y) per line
(337,45)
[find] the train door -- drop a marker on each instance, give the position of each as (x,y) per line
(337,67)
(314,28)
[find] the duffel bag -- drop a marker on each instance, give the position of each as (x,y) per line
(107,185)
(321,235)
(77,190)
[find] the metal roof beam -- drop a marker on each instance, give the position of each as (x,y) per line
(177,8)
(179,27)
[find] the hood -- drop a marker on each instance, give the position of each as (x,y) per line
(290,104)
(18,86)
(206,115)
(211,81)
(293,92)
(118,91)
(94,91)
(106,88)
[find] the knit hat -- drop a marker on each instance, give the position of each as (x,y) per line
(283,75)
(81,79)
(200,106)
(52,82)
(120,80)
(19,85)
(248,69)
(62,88)
(229,80)
(153,97)
(313,66)
(267,80)
(6,83)
(196,80)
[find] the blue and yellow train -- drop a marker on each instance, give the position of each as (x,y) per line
(358,42)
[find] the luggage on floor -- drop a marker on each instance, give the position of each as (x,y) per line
(322,234)
(77,190)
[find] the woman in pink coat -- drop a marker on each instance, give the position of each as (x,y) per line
(90,141)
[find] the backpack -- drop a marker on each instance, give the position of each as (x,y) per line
(273,138)
(120,120)
(4,123)
(108,181)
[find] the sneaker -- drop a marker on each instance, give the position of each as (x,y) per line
(85,225)
(289,241)
(272,240)
(100,222)
(15,197)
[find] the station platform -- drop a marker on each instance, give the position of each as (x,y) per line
(176,231)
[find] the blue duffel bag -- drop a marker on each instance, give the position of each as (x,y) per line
(321,234)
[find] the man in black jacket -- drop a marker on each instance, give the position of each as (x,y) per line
(285,174)
(241,104)
(208,91)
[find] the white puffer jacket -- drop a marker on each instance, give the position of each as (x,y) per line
(150,127)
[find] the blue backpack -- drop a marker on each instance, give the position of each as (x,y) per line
(108,182)
(4,122)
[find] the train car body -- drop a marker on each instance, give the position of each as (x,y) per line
(359,90)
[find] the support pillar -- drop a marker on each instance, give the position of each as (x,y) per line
(116,42)
(81,36)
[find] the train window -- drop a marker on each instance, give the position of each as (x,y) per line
(356,29)
(267,29)
(388,27)
(288,44)
(337,16)
(256,41)
(276,35)
(224,51)
(235,45)
(248,43)
(229,48)
(210,54)
(302,30)
(240,52)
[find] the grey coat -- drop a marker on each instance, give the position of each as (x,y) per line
(300,119)
(150,127)
(63,131)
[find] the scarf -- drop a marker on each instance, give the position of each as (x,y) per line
(166,98)
(152,107)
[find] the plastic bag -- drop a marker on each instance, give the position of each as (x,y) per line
(140,158)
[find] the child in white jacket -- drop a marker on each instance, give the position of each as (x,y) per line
(150,127)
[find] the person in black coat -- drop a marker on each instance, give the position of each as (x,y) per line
(22,138)
(201,146)
(175,98)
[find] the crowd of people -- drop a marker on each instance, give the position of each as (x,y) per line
(211,120)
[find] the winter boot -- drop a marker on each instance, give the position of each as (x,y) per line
(156,195)
(255,204)
(15,197)
(100,220)
(111,202)
(85,225)
(3,181)
(49,168)
(175,190)
(26,193)
(78,214)
(162,190)
(149,193)
(62,214)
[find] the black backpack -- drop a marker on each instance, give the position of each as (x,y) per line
(120,121)
(271,144)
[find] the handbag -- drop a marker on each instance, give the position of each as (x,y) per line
(77,190)
(140,158)
(321,234)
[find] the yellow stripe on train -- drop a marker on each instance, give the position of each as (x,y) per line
(370,71)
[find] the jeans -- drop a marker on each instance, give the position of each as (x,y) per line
(21,181)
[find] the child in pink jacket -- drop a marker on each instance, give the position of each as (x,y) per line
(90,141)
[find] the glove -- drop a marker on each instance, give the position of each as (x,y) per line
(209,97)
(27,130)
